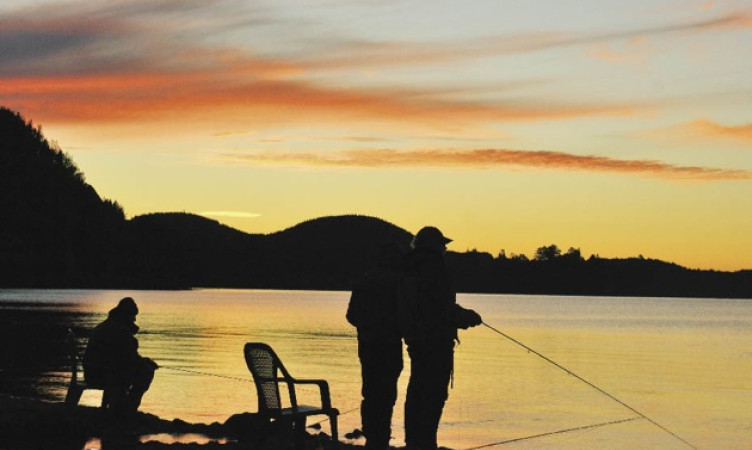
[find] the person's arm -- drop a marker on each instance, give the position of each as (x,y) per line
(355,307)
(465,318)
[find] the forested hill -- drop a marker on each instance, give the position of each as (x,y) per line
(56,231)
(53,226)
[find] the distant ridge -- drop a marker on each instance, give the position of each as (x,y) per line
(56,231)
(188,250)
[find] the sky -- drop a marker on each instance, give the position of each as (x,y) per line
(619,128)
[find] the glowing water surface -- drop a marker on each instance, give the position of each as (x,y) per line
(686,363)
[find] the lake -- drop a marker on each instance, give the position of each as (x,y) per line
(685,363)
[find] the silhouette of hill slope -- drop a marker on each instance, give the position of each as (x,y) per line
(329,252)
(178,249)
(56,231)
(54,224)
(184,250)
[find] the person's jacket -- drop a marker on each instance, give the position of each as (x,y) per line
(373,304)
(427,305)
(112,349)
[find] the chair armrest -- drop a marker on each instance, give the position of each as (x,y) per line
(326,401)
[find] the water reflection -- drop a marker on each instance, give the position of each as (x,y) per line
(96,443)
(35,359)
(93,444)
(684,362)
(185,438)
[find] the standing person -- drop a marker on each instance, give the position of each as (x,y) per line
(429,318)
(112,362)
(373,311)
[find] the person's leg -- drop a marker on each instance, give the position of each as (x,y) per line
(391,371)
(143,374)
(436,391)
(115,383)
(415,394)
(381,365)
(116,394)
(367,389)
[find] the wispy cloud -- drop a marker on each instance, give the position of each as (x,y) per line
(154,94)
(490,158)
(701,130)
(106,36)
(358,53)
(131,60)
(709,128)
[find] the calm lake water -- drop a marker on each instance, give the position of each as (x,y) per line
(685,363)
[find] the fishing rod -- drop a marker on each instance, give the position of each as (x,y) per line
(549,360)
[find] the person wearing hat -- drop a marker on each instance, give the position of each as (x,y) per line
(112,362)
(429,317)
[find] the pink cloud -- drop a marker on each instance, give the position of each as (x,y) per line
(490,158)
(713,129)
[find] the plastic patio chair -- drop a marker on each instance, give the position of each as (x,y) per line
(268,372)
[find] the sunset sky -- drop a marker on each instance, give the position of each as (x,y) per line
(622,128)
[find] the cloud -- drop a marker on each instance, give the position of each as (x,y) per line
(490,158)
(360,54)
(158,94)
(68,38)
(702,130)
(148,60)
(709,128)
(160,59)
(81,37)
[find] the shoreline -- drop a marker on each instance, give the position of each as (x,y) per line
(27,423)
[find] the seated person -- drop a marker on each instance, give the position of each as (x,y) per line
(112,362)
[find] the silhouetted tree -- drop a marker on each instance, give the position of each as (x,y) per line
(547,253)
(55,229)
(573,254)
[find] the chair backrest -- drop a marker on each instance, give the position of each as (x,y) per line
(265,366)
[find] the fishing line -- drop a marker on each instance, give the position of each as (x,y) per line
(549,360)
(249,381)
(550,433)
(245,380)
(340,415)
(208,374)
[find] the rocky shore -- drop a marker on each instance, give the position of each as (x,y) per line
(26,423)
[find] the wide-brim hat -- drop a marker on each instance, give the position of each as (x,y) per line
(429,237)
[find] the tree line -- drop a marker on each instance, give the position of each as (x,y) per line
(56,231)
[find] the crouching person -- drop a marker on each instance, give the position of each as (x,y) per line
(112,362)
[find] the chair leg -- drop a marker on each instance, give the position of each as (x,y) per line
(335,436)
(299,432)
(73,396)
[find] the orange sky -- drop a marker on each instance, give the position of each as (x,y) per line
(620,128)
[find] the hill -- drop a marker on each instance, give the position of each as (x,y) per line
(54,225)
(178,249)
(56,231)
